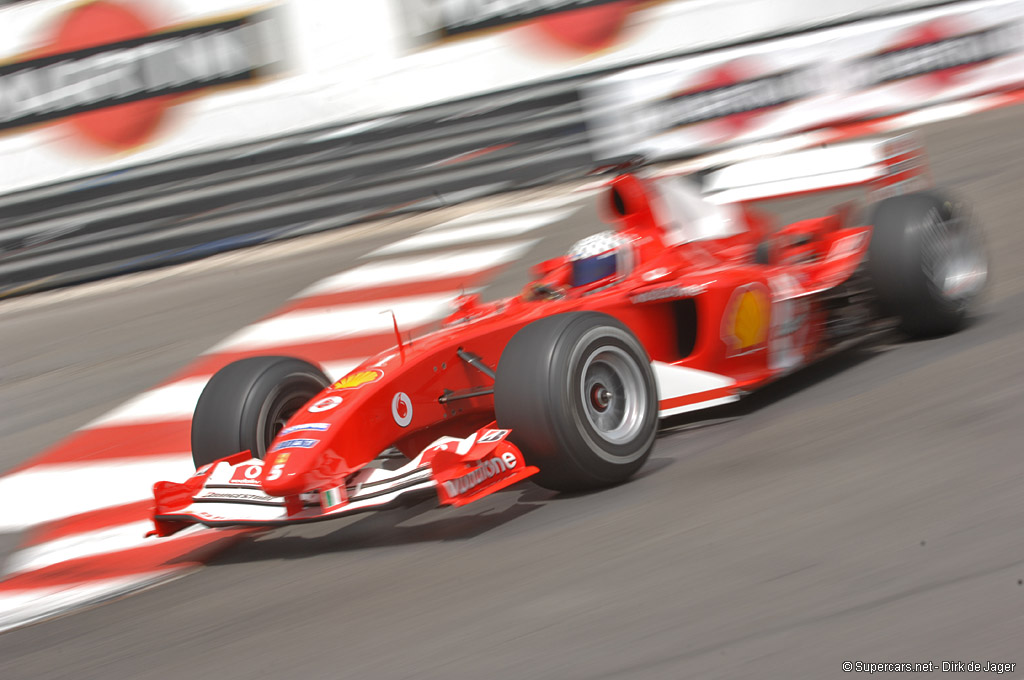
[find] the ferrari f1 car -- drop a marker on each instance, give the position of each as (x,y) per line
(692,301)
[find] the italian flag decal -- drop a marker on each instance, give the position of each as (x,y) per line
(332,498)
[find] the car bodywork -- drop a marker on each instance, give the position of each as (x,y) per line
(722,301)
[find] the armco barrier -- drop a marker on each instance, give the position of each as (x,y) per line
(188,207)
(185,208)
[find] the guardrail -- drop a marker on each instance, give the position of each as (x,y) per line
(189,207)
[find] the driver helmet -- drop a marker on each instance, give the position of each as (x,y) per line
(599,256)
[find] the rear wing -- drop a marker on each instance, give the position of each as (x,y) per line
(886,167)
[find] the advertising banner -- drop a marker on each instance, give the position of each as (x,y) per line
(764,90)
(89,87)
(111,72)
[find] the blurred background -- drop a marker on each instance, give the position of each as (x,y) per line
(138,134)
(172,171)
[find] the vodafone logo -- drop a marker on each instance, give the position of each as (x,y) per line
(401,409)
(249,473)
(111,70)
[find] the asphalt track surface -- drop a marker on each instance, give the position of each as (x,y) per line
(869,508)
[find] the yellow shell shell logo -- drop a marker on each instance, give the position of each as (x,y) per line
(746,327)
(751,313)
(354,380)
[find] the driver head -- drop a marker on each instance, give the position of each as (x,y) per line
(601,256)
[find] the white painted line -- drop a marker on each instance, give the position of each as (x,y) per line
(47,492)
(564,200)
(174,401)
(483,231)
(22,607)
(341,321)
(413,269)
(86,544)
(177,400)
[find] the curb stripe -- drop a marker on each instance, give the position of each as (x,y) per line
(412,270)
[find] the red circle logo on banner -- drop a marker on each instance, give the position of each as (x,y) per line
(585,30)
(120,127)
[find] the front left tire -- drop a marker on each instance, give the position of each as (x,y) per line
(246,403)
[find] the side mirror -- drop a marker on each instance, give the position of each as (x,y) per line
(467,303)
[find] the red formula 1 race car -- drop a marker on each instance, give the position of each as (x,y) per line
(692,301)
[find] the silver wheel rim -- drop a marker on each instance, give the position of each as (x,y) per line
(955,259)
(613,395)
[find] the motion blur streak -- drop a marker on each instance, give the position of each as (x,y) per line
(101,477)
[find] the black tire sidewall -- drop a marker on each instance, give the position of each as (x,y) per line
(537,396)
(897,266)
(232,411)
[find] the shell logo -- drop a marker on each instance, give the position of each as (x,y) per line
(355,380)
(746,321)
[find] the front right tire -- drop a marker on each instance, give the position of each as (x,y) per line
(579,395)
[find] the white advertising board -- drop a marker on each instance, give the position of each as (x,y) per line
(153,79)
(860,71)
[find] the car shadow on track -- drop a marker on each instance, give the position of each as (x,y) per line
(386,528)
(771,394)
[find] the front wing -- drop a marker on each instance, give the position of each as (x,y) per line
(228,493)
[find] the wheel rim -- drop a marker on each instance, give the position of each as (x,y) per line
(613,395)
(954,257)
(280,412)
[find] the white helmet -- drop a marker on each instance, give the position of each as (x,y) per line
(600,256)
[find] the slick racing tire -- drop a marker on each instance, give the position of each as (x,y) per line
(578,393)
(246,404)
(927,262)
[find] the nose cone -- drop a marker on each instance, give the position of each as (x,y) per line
(289,466)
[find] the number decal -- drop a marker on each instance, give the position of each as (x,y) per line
(275,471)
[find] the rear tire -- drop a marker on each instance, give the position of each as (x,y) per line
(579,395)
(246,404)
(927,262)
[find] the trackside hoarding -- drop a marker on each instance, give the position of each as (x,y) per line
(90,87)
(857,72)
